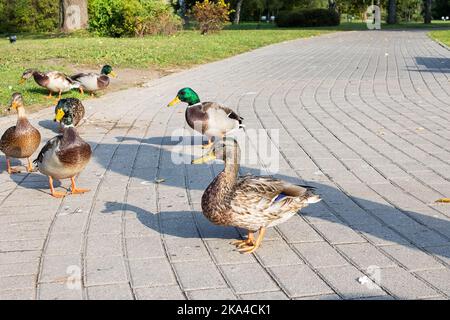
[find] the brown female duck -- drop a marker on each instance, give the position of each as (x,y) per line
(250,202)
(21,140)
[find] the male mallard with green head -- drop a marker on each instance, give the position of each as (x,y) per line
(64,156)
(250,202)
(21,140)
(92,82)
(62,111)
(53,81)
(208,118)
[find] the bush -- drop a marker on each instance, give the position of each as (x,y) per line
(157,18)
(29,15)
(211,16)
(118,18)
(308,18)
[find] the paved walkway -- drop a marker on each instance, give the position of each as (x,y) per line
(363,116)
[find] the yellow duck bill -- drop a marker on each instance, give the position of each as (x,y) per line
(205,159)
(174,102)
(59,115)
(14,105)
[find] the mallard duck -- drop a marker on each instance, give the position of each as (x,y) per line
(54,81)
(92,82)
(250,202)
(21,140)
(208,118)
(64,156)
(62,111)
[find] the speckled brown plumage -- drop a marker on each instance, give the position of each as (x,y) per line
(251,202)
(21,140)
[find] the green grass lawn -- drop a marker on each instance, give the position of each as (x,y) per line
(69,54)
(442,36)
(81,50)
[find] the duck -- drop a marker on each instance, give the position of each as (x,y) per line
(62,111)
(93,82)
(53,81)
(64,157)
(208,118)
(254,203)
(21,140)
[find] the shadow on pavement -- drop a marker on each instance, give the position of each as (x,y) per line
(384,222)
(439,65)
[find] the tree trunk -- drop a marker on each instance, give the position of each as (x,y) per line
(182,11)
(73,15)
(237,17)
(427,11)
(332,5)
(392,12)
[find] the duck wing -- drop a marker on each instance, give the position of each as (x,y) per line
(50,145)
(79,76)
(233,115)
(60,76)
(269,199)
(7,137)
(230,113)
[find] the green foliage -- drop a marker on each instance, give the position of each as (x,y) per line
(119,18)
(29,15)
(252,10)
(308,18)
(441,8)
(355,8)
(409,10)
(406,10)
(211,16)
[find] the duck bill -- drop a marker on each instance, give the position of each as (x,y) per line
(13,106)
(22,81)
(59,115)
(174,102)
(205,159)
(113,74)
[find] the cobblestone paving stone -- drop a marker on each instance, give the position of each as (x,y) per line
(362,116)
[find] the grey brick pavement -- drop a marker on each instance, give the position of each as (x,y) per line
(362,116)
